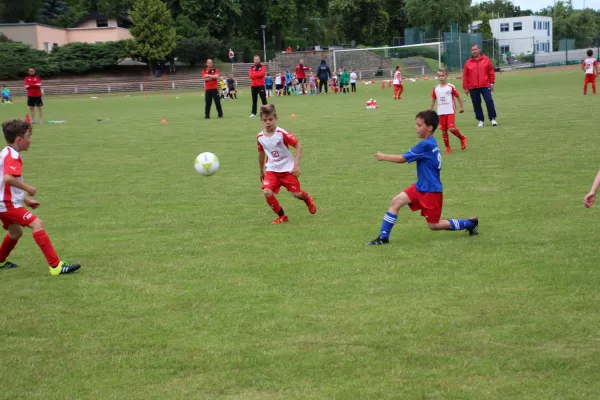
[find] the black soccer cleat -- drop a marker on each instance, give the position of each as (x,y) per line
(475,229)
(7,264)
(377,241)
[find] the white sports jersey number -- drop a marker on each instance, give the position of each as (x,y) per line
(275,153)
(439,157)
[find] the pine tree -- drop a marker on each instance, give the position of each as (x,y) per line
(153,34)
(52,9)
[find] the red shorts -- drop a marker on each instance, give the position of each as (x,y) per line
(447,122)
(16,216)
(430,204)
(397,87)
(275,180)
(590,78)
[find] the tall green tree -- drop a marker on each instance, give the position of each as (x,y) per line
(364,21)
(485,28)
(216,15)
(439,14)
(280,14)
(503,8)
(118,9)
(397,14)
(12,11)
(52,9)
(153,34)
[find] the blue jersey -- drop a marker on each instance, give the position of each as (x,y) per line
(288,78)
(429,164)
(268,81)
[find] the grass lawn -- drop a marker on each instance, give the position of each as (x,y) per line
(187,291)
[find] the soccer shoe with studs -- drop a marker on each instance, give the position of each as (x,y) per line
(7,265)
(312,208)
(463,143)
(475,229)
(64,268)
(448,150)
(280,220)
(378,241)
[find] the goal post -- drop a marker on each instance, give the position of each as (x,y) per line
(415,60)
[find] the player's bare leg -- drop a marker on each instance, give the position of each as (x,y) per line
(389,219)
(274,204)
(40,119)
(312,208)
(446,142)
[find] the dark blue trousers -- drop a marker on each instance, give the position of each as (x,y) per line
(489,103)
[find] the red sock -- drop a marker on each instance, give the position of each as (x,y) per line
(585,85)
(401,90)
(7,245)
(594,87)
(305,196)
(44,243)
(274,204)
(457,133)
(446,140)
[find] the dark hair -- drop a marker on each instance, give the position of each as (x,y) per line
(15,128)
(268,109)
(590,53)
(430,118)
(397,67)
(473,45)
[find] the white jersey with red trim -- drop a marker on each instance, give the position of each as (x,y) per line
(398,78)
(590,65)
(445,98)
(279,157)
(11,164)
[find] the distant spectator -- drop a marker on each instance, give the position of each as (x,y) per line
(211,86)
(6,97)
(297,47)
(171,63)
(324,73)
(231,56)
(288,50)
(257,76)
(301,75)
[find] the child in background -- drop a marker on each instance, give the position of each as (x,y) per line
(6,97)
(231,87)
(288,82)
(269,85)
(278,85)
(353,78)
(297,85)
(223,87)
(444,94)
(312,83)
(334,83)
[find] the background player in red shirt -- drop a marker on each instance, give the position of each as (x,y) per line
(282,168)
(590,66)
(444,94)
(33,84)
(301,75)
(12,198)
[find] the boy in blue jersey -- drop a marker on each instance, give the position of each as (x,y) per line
(425,195)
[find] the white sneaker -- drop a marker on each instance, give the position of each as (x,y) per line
(494,123)
(252,116)
(480,125)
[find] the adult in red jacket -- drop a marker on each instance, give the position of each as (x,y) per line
(257,77)
(210,75)
(478,80)
(33,84)
(301,75)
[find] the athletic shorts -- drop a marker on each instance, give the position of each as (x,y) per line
(16,216)
(590,78)
(447,122)
(34,101)
(430,204)
(275,180)
(301,81)
(269,87)
(341,85)
(278,87)
(397,86)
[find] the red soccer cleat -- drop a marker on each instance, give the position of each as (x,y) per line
(280,220)
(463,143)
(312,208)
(448,150)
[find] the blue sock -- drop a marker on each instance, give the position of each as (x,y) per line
(389,220)
(460,224)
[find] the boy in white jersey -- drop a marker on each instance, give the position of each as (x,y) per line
(282,168)
(590,66)
(444,94)
(12,199)
(398,86)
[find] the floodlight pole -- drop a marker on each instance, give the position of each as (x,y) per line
(264,43)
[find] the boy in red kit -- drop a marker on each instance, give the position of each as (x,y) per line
(398,86)
(444,94)
(33,84)
(590,66)
(12,191)
(282,168)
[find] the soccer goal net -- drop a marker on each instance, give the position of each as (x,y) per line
(415,60)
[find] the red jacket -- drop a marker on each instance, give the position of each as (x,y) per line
(213,83)
(257,74)
(300,71)
(33,85)
(478,73)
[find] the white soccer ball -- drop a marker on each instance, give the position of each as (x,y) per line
(206,164)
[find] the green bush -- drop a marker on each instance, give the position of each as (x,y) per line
(83,57)
(16,58)
(196,50)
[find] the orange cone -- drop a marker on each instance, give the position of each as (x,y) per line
(293,115)
(27,119)
(164,121)
(383,84)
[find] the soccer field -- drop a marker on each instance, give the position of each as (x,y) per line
(187,291)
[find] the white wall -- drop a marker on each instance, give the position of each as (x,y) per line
(535,34)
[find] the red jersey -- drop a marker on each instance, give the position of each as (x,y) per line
(478,73)
(11,163)
(257,75)
(33,85)
(213,83)
(300,71)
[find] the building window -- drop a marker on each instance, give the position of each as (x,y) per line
(534,25)
(54,46)
(46,47)
(505,49)
(549,28)
(504,27)
(517,26)
(548,46)
(102,23)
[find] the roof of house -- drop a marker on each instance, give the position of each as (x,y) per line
(125,22)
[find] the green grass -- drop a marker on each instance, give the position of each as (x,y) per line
(187,291)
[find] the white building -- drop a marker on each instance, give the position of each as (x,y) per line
(521,35)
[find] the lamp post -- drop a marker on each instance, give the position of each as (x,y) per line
(264,43)
(305,42)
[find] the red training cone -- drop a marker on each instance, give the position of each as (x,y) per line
(383,84)
(27,119)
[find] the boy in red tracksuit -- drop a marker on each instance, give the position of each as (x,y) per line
(257,75)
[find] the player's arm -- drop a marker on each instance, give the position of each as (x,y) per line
(31,203)
(261,164)
(296,169)
(11,180)
(390,157)
(591,196)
